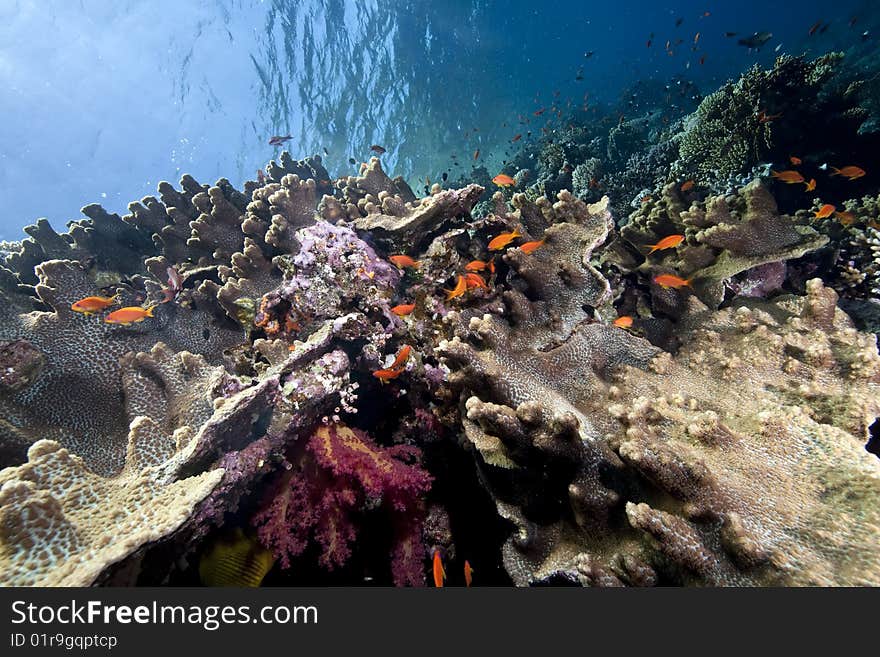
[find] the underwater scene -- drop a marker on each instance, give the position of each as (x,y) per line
(452,293)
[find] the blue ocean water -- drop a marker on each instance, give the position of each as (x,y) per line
(102,99)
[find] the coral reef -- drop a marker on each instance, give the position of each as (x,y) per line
(76,397)
(602,432)
(731,131)
(345,378)
(854,237)
(724,236)
(63,525)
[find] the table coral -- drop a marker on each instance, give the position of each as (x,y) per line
(716,437)
(77,399)
(62,525)
(724,236)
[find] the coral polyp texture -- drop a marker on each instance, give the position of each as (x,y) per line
(344,379)
(63,525)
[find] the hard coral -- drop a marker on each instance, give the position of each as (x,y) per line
(724,236)
(77,398)
(726,136)
(568,456)
(738,460)
(62,525)
(577,428)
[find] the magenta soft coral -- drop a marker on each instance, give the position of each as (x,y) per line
(333,478)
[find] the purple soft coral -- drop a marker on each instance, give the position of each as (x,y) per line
(338,473)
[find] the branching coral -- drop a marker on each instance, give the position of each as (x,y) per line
(727,135)
(365,188)
(854,246)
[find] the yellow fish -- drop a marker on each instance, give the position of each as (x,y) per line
(235,560)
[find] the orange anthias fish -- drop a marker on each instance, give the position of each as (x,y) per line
(825,211)
(516,138)
(475,280)
(439,572)
(91,305)
(624,321)
(403,309)
(669,242)
(503,180)
(667,281)
(401,358)
(396,368)
(796,161)
(688,185)
(403,261)
(476,153)
(791,177)
(811,185)
(475,265)
(530,247)
(129,315)
(500,241)
(468,571)
(387,374)
(459,289)
(848,172)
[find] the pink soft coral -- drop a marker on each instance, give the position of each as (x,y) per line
(338,473)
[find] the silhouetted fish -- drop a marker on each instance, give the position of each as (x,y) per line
(755,41)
